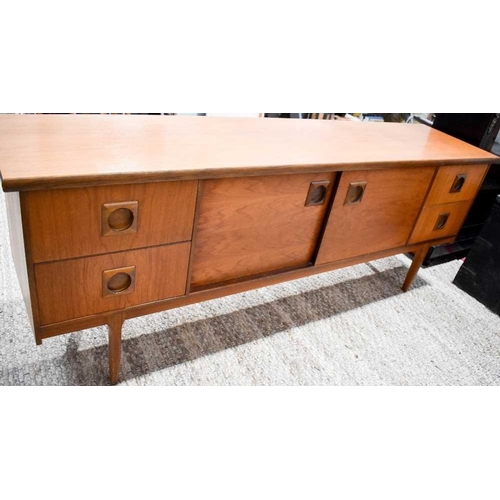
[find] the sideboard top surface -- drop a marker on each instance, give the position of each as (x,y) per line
(52,151)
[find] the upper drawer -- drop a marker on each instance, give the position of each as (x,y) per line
(458,183)
(66,223)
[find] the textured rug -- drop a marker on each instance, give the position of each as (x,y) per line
(348,327)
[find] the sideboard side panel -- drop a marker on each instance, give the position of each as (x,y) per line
(18,250)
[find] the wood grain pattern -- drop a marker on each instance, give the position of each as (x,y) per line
(418,258)
(115,324)
(440,191)
(73,288)
(118,281)
(383,219)
(254,225)
(83,265)
(66,223)
(44,151)
(119,218)
(425,227)
(223,290)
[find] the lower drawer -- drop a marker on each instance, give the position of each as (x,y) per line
(439,221)
(81,287)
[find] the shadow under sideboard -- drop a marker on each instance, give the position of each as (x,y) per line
(189,341)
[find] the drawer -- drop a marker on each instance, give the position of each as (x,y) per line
(456,183)
(82,287)
(67,223)
(439,221)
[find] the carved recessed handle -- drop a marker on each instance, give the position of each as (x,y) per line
(119,218)
(441,221)
(355,193)
(317,193)
(119,281)
(458,183)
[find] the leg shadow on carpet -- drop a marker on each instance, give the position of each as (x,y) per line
(162,349)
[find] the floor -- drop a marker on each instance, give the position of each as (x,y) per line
(347,327)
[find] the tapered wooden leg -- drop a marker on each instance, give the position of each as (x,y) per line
(418,258)
(115,346)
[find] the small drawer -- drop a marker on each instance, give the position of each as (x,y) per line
(68,223)
(456,183)
(439,221)
(81,287)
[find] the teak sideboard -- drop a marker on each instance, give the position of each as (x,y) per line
(113,217)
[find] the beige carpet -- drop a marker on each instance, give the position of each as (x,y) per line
(346,327)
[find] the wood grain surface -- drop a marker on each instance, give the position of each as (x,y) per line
(248,226)
(425,228)
(115,324)
(67,223)
(44,151)
(73,288)
(418,259)
(440,192)
(383,219)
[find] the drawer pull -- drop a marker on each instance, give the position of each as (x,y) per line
(317,193)
(458,183)
(441,221)
(355,193)
(118,281)
(119,218)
